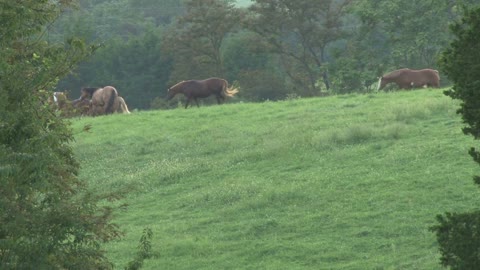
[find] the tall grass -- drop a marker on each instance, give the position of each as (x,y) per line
(342,182)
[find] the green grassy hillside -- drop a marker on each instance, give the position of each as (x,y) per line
(342,182)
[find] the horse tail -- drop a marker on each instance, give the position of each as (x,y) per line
(229,91)
(123,106)
(111,101)
(379,83)
(436,79)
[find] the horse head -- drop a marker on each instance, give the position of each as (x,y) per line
(381,83)
(172,91)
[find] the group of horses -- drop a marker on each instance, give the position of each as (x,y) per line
(93,101)
(405,78)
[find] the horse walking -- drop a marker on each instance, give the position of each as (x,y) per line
(407,78)
(194,89)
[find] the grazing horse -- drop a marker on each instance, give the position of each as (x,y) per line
(103,100)
(194,89)
(408,78)
(122,106)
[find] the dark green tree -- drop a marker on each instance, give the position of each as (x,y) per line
(412,33)
(252,68)
(195,41)
(48,220)
(459,233)
(130,58)
(135,66)
(299,32)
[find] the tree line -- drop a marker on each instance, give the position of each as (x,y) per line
(272,49)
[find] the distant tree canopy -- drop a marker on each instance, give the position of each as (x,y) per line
(305,47)
(196,39)
(299,32)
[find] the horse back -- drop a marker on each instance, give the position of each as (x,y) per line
(203,88)
(430,77)
(194,88)
(397,73)
(406,78)
(106,98)
(216,84)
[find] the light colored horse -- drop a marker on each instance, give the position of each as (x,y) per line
(103,100)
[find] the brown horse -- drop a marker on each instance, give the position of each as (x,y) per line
(408,78)
(103,100)
(194,89)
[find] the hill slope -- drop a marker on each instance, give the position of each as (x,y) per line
(343,182)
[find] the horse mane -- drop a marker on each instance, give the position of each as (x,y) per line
(395,73)
(177,84)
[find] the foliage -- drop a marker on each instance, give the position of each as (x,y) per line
(408,39)
(254,69)
(136,67)
(459,62)
(131,56)
(299,32)
(144,250)
(48,219)
(261,85)
(457,233)
(196,40)
(317,47)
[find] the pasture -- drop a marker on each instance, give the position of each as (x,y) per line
(341,182)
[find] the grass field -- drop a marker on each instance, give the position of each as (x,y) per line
(341,182)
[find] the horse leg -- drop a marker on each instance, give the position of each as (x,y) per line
(196,101)
(219,99)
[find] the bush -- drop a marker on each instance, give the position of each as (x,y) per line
(458,234)
(459,238)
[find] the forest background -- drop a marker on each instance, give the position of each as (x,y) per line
(270,49)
